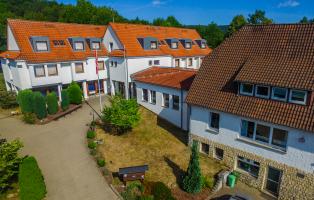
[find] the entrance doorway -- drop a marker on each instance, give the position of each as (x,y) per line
(273,180)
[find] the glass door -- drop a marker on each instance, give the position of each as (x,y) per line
(273,180)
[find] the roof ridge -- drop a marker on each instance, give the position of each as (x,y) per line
(147,25)
(279,24)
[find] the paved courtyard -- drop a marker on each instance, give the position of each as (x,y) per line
(70,172)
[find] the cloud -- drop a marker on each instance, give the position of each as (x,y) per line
(158,3)
(288,3)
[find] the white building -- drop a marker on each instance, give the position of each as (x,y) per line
(252,107)
(163,91)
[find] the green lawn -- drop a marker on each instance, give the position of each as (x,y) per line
(153,142)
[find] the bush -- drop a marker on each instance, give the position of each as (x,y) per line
(161,192)
(31,181)
(65,101)
(25,100)
(75,93)
(101,162)
(9,162)
(39,105)
(8,100)
(92,145)
(52,103)
(208,182)
(133,191)
(90,134)
(123,114)
(29,118)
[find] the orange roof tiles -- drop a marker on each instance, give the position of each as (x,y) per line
(24,29)
(167,77)
(128,35)
(10,54)
(276,55)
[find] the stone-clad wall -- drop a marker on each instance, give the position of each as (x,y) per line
(295,184)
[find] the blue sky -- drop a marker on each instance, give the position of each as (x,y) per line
(206,11)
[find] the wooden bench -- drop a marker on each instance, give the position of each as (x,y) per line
(133,173)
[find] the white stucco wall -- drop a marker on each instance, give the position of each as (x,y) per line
(12,45)
(169,114)
(299,155)
(16,74)
(110,36)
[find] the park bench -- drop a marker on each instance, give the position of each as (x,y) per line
(133,173)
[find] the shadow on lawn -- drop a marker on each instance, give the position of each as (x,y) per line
(177,171)
(175,131)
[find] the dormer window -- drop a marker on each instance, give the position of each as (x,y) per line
(279,94)
(298,96)
(262,91)
(95,46)
(203,45)
(246,89)
(41,46)
(79,45)
(174,45)
(188,45)
(153,44)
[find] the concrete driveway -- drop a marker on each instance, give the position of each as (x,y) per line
(70,172)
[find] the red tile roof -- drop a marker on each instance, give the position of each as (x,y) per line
(167,77)
(117,53)
(128,35)
(275,55)
(24,29)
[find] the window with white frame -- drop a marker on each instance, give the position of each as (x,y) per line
(175,102)
(156,62)
(298,96)
(153,44)
(79,68)
(280,94)
(246,89)
(177,62)
(248,165)
(95,45)
(101,65)
(145,95)
(214,119)
(188,45)
(52,70)
(203,45)
(190,62)
(79,45)
(165,100)
(262,91)
(39,70)
(271,136)
(41,46)
(174,45)
(152,97)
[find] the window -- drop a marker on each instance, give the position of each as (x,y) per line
(153,97)
(150,62)
(79,68)
(246,89)
(79,45)
(203,45)
(52,70)
(110,46)
(101,65)
(214,121)
(41,46)
(247,129)
(219,153)
(156,62)
(95,45)
(279,94)
(175,102)
(262,133)
(174,45)
(177,62)
(205,148)
(248,165)
(262,91)
(280,137)
(190,62)
(58,42)
(298,96)
(188,45)
(145,95)
(39,70)
(113,63)
(165,100)
(153,44)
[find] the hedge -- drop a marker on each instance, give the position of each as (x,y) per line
(40,105)
(161,192)
(25,100)
(8,99)
(65,101)
(75,93)
(31,181)
(52,103)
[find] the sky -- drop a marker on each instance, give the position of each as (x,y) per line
(192,12)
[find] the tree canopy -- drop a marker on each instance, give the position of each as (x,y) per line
(237,22)
(305,20)
(259,17)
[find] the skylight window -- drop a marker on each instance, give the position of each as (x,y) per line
(246,89)
(298,96)
(41,46)
(279,94)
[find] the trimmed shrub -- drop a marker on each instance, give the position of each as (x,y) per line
(52,103)
(208,182)
(90,134)
(29,118)
(161,192)
(101,162)
(40,105)
(75,93)
(65,101)
(25,100)
(92,145)
(8,100)
(31,181)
